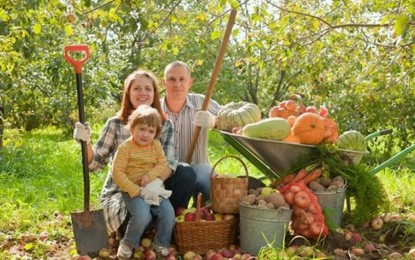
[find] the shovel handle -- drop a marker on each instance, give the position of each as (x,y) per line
(77,64)
(212,82)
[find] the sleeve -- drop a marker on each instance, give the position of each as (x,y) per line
(161,162)
(167,142)
(104,147)
(214,107)
(119,173)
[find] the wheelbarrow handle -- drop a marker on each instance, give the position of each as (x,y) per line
(376,134)
(77,64)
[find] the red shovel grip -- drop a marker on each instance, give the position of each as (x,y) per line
(77,64)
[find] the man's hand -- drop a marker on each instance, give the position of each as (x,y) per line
(82,132)
(204,119)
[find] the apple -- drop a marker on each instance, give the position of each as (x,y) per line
(217,256)
(173,251)
(180,218)
(246,256)
(85,257)
(411,253)
(189,255)
(179,211)
(266,191)
(227,253)
(170,257)
(189,217)
(149,254)
(104,253)
(218,216)
(197,257)
(209,217)
(376,223)
(237,256)
(191,210)
(228,216)
(395,255)
(209,253)
(311,109)
(138,255)
(146,242)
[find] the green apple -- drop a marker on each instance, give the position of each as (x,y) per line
(189,210)
(266,191)
(180,218)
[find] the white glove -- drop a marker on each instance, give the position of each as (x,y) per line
(152,192)
(204,119)
(82,132)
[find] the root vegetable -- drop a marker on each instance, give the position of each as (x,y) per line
(301,199)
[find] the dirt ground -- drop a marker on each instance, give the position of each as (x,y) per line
(396,235)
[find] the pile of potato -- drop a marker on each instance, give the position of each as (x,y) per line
(265,198)
(323,183)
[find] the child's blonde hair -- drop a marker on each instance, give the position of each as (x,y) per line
(145,115)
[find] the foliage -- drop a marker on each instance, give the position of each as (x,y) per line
(356,57)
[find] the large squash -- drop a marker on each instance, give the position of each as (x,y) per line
(275,128)
(237,114)
(309,128)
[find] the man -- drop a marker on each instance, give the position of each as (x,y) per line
(184,109)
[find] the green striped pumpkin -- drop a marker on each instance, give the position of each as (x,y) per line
(237,114)
(352,140)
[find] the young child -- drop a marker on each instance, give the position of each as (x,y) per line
(138,163)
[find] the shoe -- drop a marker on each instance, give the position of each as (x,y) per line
(124,252)
(161,251)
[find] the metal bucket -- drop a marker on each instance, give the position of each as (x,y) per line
(332,203)
(258,227)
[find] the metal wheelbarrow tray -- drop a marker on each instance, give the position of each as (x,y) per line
(271,157)
(274,158)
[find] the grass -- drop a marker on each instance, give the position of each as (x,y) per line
(41,178)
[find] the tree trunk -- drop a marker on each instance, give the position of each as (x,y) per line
(1,126)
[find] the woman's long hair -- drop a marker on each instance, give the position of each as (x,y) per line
(126,106)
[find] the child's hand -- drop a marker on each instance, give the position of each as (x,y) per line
(145,180)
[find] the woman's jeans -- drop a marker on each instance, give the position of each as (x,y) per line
(142,214)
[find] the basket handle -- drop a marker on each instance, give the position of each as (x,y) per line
(198,206)
(229,156)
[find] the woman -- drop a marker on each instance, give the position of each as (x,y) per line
(179,177)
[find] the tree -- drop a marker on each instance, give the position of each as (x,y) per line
(355,57)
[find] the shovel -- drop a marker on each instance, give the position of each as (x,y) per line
(88,226)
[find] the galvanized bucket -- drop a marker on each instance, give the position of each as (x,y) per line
(258,227)
(332,203)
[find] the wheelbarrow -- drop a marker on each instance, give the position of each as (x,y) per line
(274,158)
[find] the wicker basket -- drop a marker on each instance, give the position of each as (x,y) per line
(226,192)
(199,236)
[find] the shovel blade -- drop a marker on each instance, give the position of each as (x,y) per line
(90,232)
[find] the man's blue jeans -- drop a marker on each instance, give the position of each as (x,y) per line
(141,216)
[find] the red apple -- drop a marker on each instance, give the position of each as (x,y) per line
(311,109)
(189,217)
(209,217)
(217,256)
(150,255)
(179,211)
(209,254)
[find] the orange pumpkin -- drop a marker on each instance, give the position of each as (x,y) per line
(291,120)
(291,138)
(331,132)
(309,128)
